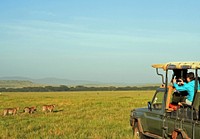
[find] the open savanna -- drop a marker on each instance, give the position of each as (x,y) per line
(94,114)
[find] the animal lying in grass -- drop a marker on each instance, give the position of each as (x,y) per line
(30,109)
(48,108)
(11,111)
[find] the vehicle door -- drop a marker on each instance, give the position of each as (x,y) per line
(155,114)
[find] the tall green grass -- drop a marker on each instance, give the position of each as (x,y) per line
(83,115)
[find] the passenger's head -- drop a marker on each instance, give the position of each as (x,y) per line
(190,76)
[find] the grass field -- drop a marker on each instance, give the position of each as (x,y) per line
(83,115)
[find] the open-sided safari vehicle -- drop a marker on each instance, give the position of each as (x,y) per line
(164,117)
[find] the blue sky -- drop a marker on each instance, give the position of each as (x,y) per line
(104,40)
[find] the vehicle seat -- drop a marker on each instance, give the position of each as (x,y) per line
(174,106)
(178,97)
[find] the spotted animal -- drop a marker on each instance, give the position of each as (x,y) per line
(10,111)
(30,109)
(48,108)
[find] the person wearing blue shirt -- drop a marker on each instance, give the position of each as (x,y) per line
(189,87)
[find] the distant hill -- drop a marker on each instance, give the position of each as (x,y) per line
(16,84)
(58,81)
(17,81)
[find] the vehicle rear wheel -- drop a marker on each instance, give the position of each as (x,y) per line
(136,132)
(179,136)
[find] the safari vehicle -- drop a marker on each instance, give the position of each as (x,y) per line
(161,119)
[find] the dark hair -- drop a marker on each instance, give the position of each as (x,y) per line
(190,75)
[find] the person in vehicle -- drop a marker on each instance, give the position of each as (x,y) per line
(186,86)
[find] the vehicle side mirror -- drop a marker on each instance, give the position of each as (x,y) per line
(149,106)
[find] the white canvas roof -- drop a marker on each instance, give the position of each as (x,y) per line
(178,65)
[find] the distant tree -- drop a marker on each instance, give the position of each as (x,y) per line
(77,88)
(49,88)
(64,88)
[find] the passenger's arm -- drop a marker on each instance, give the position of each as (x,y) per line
(181,88)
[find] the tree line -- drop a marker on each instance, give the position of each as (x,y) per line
(76,88)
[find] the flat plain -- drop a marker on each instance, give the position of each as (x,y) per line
(83,115)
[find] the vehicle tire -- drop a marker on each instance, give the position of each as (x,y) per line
(179,136)
(136,132)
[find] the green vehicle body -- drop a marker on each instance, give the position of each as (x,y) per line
(158,119)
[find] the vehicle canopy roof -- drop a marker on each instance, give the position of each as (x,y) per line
(178,65)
